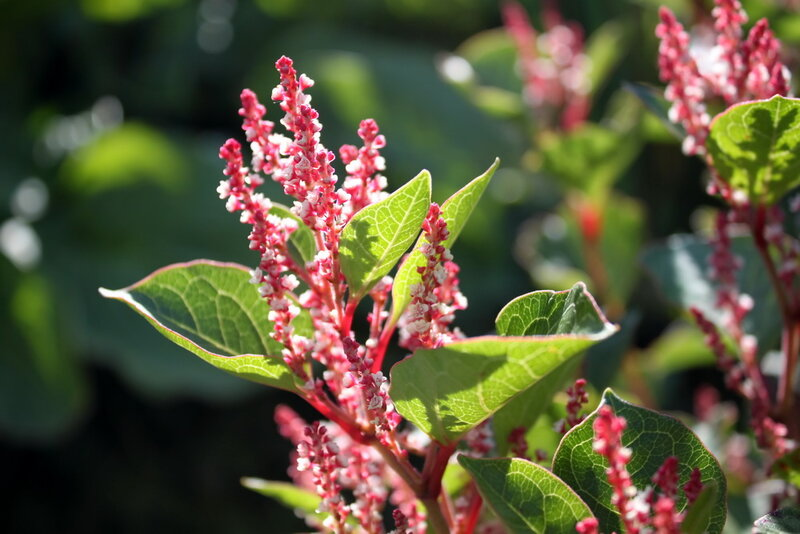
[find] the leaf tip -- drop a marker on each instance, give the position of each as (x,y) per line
(117,294)
(251,483)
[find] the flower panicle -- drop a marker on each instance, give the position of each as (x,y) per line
(436,298)
(727,66)
(364,183)
(653,509)
(319,454)
(577,396)
(553,66)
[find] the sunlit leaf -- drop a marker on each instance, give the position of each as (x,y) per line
(782,521)
(131,153)
(754,147)
(455,212)
(526,496)
(300,500)
(652,438)
(212,310)
(589,158)
(378,235)
(301,241)
(449,390)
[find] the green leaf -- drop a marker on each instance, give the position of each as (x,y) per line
(754,146)
(782,521)
(681,265)
(589,158)
(378,235)
(213,311)
(699,513)
(529,315)
(653,99)
(302,501)
(526,408)
(455,211)
(605,48)
(652,438)
(301,241)
(549,313)
(133,152)
(43,390)
(449,390)
(526,496)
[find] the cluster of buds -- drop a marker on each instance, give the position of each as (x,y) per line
(361,450)
(577,397)
(436,298)
(554,69)
(716,63)
(653,509)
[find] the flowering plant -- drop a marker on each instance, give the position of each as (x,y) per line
(750,152)
(414,444)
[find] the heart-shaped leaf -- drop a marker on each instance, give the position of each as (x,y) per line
(754,147)
(378,235)
(782,521)
(449,390)
(526,496)
(455,211)
(652,438)
(212,310)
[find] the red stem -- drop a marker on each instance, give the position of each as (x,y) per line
(788,313)
(349,313)
(473,511)
(383,344)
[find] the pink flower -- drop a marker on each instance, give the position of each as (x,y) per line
(436,298)
(364,183)
(319,455)
(727,67)
(578,396)
(553,67)
(590,525)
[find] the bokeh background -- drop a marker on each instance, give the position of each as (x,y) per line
(111,115)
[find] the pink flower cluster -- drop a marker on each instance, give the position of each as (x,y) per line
(361,450)
(744,375)
(577,397)
(716,63)
(436,298)
(653,509)
(328,461)
(553,66)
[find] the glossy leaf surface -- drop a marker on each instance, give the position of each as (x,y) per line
(212,310)
(681,265)
(455,211)
(652,437)
(526,496)
(378,235)
(449,390)
(782,521)
(754,147)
